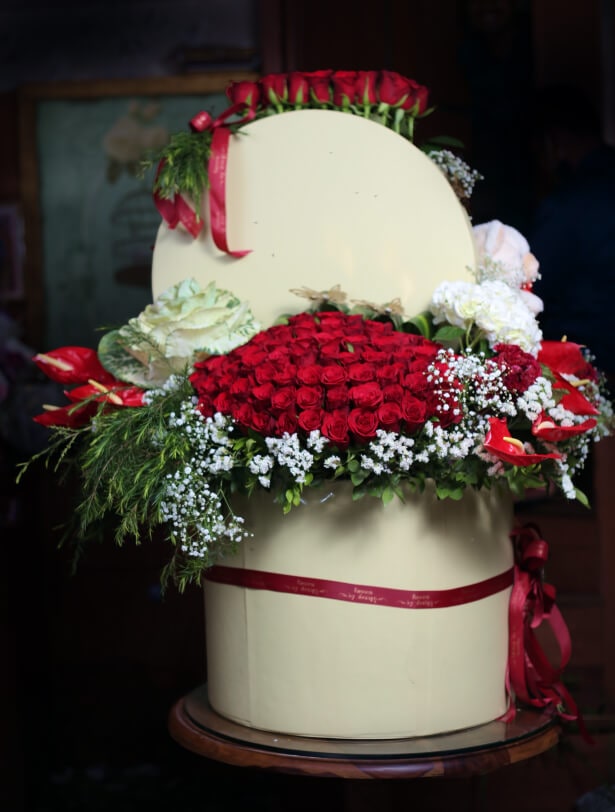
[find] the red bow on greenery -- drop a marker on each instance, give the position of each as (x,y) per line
(178,210)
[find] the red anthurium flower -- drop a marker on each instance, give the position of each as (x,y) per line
(566,358)
(574,400)
(73,365)
(118,395)
(71,416)
(508,449)
(546,429)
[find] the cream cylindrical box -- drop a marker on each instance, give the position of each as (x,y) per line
(307,665)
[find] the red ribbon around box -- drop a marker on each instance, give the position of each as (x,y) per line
(531,678)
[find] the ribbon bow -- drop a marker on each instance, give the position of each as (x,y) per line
(177,210)
(531,677)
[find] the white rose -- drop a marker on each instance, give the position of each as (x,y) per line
(508,249)
(184,325)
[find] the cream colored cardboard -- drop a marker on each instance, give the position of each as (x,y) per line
(324,198)
(314,666)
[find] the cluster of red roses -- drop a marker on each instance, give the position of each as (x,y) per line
(341,374)
(341,88)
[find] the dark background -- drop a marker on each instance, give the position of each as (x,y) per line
(91,664)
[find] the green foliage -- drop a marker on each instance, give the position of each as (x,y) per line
(182,166)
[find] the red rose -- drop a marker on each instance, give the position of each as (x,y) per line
(333,375)
(392,392)
(330,350)
(363,423)
(346,358)
(309,374)
(261,422)
(393,88)
(365,87)
(243,414)
(389,416)
(389,373)
(263,392)
(319,82)
(373,356)
(309,396)
(247,93)
(241,387)
(274,89)
(223,402)
(414,412)
(335,428)
(417,97)
(298,89)
(302,320)
(286,423)
(251,356)
(416,382)
(337,397)
(355,341)
(366,395)
(361,373)
(265,372)
(206,406)
(310,419)
(343,82)
(286,375)
(332,320)
(283,399)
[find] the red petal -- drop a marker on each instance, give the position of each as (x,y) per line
(73,365)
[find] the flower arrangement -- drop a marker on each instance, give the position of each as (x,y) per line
(192,402)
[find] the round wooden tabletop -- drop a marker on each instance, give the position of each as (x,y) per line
(475,751)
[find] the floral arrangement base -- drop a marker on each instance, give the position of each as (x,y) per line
(361,620)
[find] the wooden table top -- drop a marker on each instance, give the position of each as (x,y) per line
(474,751)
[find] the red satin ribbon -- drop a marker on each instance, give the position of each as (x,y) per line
(531,677)
(177,210)
(376,595)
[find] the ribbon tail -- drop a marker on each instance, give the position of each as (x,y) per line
(187,217)
(531,678)
(217,191)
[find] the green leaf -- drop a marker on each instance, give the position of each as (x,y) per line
(449,332)
(423,322)
(442,141)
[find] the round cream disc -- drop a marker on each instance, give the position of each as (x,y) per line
(324,198)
